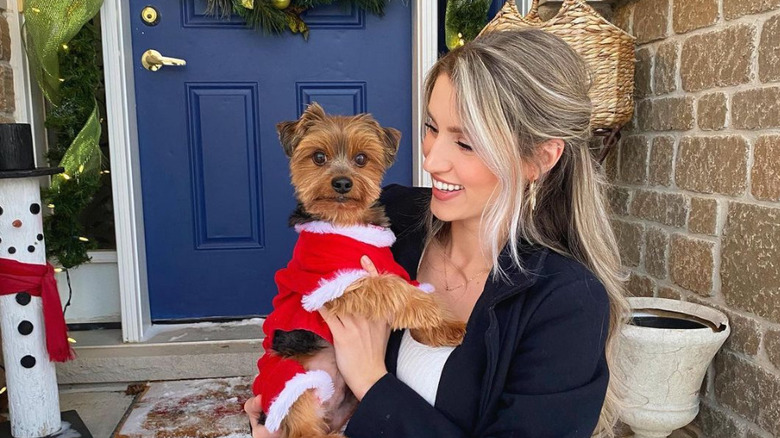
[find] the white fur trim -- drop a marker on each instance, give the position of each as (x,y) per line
(318,380)
(332,288)
(426,287)
(371,234)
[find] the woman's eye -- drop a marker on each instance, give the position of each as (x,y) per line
(319,158)
(430,127)
(360,160)
(463,146)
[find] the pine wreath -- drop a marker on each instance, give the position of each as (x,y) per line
(277,16)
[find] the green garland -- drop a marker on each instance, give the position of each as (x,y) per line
(277,16)
(78,66)
(75,116)
(463,20)
(63,47)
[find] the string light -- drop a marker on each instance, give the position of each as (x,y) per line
(51,206)
(65,176)
(72,341)
(83,239)
(36,10)
(81,168)
(58,270)
(104,171)
(3,390)
(64,46)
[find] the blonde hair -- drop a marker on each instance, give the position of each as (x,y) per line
(515,90)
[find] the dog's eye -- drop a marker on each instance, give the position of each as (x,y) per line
(361,159)
(319,158)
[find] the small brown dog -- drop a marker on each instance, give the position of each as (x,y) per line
(337,164)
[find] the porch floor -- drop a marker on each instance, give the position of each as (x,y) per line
(102,408)
(94,384)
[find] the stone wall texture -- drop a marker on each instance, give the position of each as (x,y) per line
(7,105)
(695,192)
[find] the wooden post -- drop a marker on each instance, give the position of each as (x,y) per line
(33,399)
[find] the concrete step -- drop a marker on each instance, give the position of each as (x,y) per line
(187,351)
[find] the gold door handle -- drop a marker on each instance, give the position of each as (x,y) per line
(152,60)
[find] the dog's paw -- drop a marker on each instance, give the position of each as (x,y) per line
(449,334)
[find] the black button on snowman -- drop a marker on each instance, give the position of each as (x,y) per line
(33,327)
(35,210)
(23,298)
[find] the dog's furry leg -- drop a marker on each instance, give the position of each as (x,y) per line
(447,331)
(305,419)
(450,334)
(342,404)
(390,298)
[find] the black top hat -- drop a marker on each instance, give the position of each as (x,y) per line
(16,153)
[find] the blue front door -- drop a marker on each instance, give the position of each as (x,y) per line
(215,181)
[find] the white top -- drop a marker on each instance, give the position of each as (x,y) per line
(420,366)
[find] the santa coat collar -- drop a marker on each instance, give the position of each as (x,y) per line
(370,234)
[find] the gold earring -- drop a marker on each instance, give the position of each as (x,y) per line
(532,194)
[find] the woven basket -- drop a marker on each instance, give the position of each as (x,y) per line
(607,49)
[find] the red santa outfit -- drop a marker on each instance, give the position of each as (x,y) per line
(325,261)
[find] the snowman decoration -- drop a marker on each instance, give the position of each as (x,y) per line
(34,334)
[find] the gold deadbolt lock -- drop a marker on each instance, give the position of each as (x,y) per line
(150,16)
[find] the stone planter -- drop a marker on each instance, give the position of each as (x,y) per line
(663,357)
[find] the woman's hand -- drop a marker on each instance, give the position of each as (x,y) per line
(253,409)
(360,345)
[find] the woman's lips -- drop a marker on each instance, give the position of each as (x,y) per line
(441,195)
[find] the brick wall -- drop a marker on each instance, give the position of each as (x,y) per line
(696,188)
(7,105)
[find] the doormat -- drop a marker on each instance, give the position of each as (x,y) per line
(206,408)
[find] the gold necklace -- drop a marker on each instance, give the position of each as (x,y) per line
(447,286)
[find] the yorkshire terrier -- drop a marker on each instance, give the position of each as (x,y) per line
(337,164)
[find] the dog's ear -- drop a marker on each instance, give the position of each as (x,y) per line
(288,136)
(291,133)
(313,113)
(391,138)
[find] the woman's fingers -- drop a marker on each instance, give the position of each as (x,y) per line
(330,319)
(368,265)
(253,409)
(360,345)
(335,324)
(325,313)
(261,432)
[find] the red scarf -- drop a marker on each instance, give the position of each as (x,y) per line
(38,280)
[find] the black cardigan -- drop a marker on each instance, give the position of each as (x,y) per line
(532,363)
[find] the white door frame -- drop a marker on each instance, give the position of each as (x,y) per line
(123,145)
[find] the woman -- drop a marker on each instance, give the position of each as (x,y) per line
(517,243)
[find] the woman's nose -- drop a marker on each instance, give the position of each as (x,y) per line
(436,160)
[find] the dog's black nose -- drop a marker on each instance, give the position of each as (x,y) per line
(341,185)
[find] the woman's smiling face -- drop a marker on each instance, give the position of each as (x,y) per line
(462,183)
